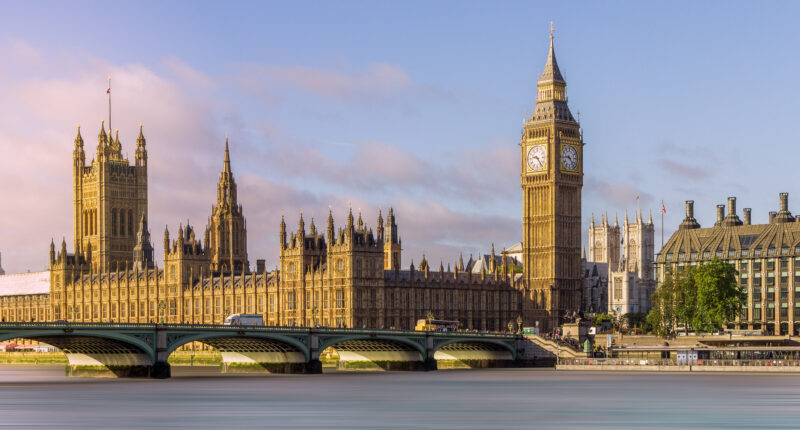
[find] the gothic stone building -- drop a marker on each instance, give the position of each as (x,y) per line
(351,276)
(766,256)
(620,266)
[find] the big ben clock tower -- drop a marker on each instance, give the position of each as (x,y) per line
(552,178)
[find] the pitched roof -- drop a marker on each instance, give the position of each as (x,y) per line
(25,283)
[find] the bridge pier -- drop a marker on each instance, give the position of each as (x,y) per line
(314,364)
(161,368)
(430,362)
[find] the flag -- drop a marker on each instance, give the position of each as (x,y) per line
(108,91)
(663,209)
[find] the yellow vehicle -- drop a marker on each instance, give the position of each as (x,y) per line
(436,325)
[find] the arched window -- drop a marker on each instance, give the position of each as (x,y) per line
(130,222)
(113,222)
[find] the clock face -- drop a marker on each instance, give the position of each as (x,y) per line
(537,157)
(569,157)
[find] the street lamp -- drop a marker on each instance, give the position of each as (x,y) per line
(510,326)
(161,307)
(314,316)
(430,317)
(519,323)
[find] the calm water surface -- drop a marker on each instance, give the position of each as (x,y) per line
(42,397)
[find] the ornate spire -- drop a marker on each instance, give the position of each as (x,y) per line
(227,162)
(551,72)
(140,140)
(102,138)
(616,221)
(79,139)
(592,223)
(650,220)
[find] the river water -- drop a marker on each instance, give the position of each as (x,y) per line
(35,397)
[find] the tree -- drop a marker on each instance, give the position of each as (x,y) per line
(705,297)
(719,296)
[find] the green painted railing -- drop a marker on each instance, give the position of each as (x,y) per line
(295,330)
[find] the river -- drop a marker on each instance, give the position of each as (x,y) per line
(35,397)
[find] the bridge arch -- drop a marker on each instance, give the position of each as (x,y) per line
(493,343)
(96,352)
(374,351)
(251,351)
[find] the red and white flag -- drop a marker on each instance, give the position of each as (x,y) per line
(108,91)
(663,209)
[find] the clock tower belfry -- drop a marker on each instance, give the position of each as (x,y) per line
(552,178)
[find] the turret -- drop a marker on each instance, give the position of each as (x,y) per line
(141,149)
(283,233)
(52,252)
(102,142)
(166,240)
(330,230)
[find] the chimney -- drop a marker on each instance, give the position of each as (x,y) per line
(772,216)
(731,206)
(720,213)
(261,266)
(747,216)
(784,202)
(690,209)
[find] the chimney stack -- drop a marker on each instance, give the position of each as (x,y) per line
(731,206)
(261,266)
(747,216)
(772,216)
(689,208)
(720,213)
(784,202)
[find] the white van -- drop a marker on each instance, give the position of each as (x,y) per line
(244,319)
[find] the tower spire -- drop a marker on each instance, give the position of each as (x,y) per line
(551,71)
(227,163)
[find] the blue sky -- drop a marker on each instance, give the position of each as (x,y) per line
(416,105)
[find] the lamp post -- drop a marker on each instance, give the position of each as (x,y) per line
(519,323)
(510,326)
(430,318)
(314,316)
(161,307)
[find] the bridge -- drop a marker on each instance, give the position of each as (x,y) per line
(142,350)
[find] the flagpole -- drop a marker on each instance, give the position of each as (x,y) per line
(109,106)
(662,224)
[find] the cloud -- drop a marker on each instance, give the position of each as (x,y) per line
(47,96)
(684,171)
(616,194)
(375,82)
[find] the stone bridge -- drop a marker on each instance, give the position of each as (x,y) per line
(143,349)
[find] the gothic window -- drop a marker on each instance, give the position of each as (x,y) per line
(173,307)
(113,222)
(261,305)
(340,299)
(340,265)
(290,304)
(272,303)
(130,222)
(308,299)
(326,302)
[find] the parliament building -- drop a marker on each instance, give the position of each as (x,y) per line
(347,275)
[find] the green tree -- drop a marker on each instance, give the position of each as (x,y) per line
(662,316)
(719,296)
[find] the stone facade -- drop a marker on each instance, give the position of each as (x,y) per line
(348,276)
(622,258)
(552,180)
(766,256)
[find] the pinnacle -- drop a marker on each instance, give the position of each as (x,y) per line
(551,71)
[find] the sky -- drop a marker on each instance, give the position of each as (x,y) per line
(414,105)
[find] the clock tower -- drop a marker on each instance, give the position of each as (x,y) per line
(552,178)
